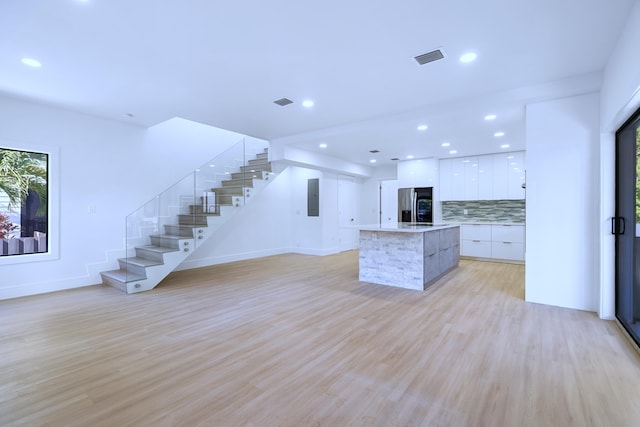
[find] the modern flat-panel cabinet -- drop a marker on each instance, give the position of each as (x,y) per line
(457,180)
(470,178)
(491,177)
(446,182)
(497,241)
(509,174)
(417,173)
(449,255)
(475,240)
(485,178)
(507,242)
(515,176)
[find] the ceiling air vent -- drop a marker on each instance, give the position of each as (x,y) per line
(425,58)
(283,101)
(374,151)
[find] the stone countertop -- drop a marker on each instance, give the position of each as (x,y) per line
(404,227)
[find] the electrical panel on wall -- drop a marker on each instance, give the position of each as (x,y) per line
(313,197)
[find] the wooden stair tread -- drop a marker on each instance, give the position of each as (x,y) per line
(142,262)
(157,249)
(171,236)
(122,276)
(230,192)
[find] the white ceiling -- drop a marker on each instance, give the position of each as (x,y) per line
(224,63)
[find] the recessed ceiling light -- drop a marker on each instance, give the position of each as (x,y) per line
(498,134)
(505,146)
(446,144)
(490,117)
(307,103)
(31,62)
(410,156)
(453,151)
(372,161)
(423,127)
(323,145)
(468,57)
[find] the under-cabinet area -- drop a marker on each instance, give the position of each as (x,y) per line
(494,241)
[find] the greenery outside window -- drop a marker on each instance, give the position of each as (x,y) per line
(25,196)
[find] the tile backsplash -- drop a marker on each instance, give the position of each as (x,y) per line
(484,211)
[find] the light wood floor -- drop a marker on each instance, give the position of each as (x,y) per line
(297,340)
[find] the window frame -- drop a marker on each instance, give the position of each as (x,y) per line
(53,204)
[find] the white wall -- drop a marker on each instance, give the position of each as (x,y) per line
(563,184)
(261,228)
(97,163)
(370,195)
(314,235)
(108,165)
(620,98)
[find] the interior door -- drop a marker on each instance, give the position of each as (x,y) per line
(347,213)
(388,202)
(626,228)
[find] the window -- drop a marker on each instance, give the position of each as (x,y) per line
(25,204)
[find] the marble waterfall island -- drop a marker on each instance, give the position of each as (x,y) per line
(411,256)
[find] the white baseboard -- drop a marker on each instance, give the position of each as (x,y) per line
(188,264)
(92,278)
(208,261)
(37,288)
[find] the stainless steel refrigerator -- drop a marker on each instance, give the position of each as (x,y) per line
(415,204)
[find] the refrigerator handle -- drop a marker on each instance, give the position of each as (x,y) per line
(414,207)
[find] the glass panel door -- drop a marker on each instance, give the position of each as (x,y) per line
(626,226)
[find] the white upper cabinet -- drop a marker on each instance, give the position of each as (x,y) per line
(509,169)
(470,178)
(485,177)
(457,179)
(490,177)
(417,173)
(445,183)
(515,176)
(500,176)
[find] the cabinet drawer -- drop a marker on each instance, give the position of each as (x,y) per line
(476,248)
(507,233)
(476,232)
(504,250)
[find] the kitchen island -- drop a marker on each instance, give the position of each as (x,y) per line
(408,255)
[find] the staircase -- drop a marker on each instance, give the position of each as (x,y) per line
(157,244)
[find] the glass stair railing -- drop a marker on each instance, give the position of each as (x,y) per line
(168,228)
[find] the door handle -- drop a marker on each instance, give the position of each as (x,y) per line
(618,225)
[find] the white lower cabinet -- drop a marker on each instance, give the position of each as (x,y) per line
(507,250)
(497,241)
(476,248)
